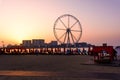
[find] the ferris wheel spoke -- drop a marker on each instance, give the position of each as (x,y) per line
(63,23)
(65,37)
(59,29)
(76,30)
(68,21)
(72,37)
(74,24)
(62,35)
(68,38)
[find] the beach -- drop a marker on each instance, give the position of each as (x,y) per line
(55,67)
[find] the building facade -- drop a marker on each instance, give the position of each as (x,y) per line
(38,42)
(53,43)
(26,43)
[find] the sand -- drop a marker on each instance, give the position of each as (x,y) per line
(55,67)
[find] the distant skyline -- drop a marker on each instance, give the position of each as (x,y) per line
(34,19)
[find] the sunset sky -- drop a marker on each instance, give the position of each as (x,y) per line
(34,19)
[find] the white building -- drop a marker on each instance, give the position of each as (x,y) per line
(26,43)
(118,51)
(53,43)
(38,42)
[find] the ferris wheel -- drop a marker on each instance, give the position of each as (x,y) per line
(67,29)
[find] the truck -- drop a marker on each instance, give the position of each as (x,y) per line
(104,54)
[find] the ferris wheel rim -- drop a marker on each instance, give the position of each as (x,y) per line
(66,28)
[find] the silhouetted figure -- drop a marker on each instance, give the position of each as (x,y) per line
(115,54)
(79,51)
(84,52)
(1,51)
(36,52)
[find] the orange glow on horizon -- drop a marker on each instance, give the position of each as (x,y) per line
(34,19)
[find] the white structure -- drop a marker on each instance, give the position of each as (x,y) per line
(53,43)
(26,43)
(118,51)
(38,42)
